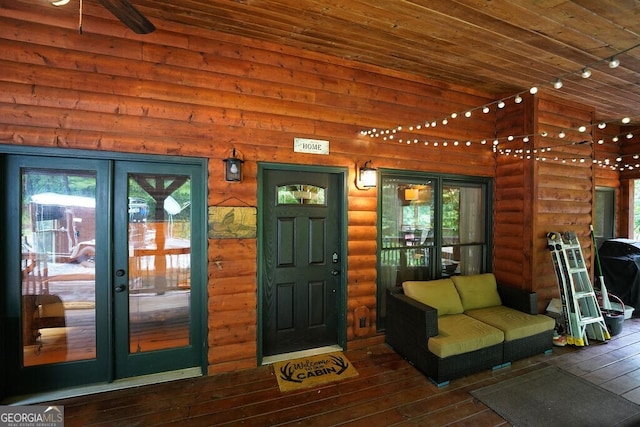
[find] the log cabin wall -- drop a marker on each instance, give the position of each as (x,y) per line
(511,258)
(546,184)
(187,92)
(565,180)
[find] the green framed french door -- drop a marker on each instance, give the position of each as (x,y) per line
(105,270)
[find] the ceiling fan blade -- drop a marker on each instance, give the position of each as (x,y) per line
(129,15)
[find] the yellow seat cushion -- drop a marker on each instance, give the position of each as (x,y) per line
(439,294)
(459,333)
(477,290)
(514,323)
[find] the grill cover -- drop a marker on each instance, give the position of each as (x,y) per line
(620,260)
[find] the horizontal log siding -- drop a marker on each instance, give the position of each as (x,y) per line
(511,229)
(565,185)
(186,92)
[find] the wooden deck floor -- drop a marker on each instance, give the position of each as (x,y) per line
(388,391)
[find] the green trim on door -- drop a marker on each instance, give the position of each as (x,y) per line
(101,368)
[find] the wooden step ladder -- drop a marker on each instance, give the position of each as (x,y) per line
(583,318)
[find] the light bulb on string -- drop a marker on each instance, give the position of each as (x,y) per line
(614,62)
(585,72)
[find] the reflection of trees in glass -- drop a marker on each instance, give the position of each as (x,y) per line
(48,181)
(37,181)
(450,211)
(301,194)
(182,195)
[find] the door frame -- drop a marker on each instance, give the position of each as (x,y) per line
(343,174)
(199,247)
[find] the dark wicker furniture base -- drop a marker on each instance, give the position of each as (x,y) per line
(411,323)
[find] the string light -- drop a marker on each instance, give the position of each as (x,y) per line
(614,62)
(585,72)
(388,134)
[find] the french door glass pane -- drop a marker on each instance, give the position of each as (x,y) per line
(159,224)
(58,265)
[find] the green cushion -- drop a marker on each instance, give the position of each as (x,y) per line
(459,333)
(439,294)
(477,291)
(514,323)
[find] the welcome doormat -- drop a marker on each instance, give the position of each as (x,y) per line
(313,370)
(552,397)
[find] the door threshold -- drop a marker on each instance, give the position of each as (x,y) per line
(268,360)
(120,384)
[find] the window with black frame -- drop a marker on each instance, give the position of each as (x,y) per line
(430,227)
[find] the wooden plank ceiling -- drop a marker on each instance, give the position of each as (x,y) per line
(498,46)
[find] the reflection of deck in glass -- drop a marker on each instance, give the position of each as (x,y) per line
(145,275)
(59,305)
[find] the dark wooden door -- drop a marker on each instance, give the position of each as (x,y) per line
(302,261)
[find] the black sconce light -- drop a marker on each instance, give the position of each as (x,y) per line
(233,168)
(367,176)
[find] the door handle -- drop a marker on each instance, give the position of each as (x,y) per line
(335,272)
(120,288)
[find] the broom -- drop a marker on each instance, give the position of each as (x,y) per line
(606,303)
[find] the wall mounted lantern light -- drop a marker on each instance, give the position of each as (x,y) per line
(367,176)
(233,168)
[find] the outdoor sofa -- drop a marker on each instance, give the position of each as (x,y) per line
(453,327)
